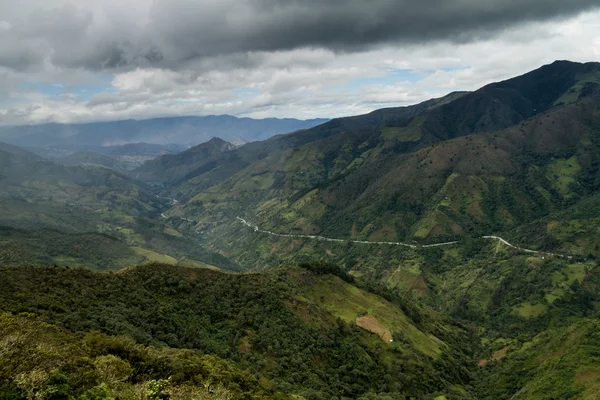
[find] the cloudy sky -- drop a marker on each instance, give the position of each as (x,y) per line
(87,60)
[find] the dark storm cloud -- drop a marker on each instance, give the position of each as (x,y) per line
(191,29)
(176,32)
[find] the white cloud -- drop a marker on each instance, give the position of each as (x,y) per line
(304,82)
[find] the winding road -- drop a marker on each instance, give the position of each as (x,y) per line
(412,246)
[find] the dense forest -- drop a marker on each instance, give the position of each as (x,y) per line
(275,327)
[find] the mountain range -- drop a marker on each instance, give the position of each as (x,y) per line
(468,164)
(187,131)
(445,250)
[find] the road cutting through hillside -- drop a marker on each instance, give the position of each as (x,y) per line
(412,246)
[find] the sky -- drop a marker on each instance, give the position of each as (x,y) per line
(87,60)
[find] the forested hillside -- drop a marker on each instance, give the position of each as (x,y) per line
(290,330)
(518,328)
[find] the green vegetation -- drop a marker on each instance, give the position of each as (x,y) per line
(42,361)
(410,133)
(563,173)
(305,331)
(49,247)
(529,310)
(281,327)
(466,165)
(153,256)
(573,94)
(476,320)
(558,363)
(86,216)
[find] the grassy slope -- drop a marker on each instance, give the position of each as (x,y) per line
(349,303)
(558,363)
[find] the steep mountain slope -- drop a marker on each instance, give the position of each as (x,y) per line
(504,104)
(470,164)
(561,363)
(408,128)
(324,139)
(180,130)
(169,168)
(539,316)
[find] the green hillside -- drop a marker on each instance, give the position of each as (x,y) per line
(306,331)
(43,361)
(86,216)
(296,332)
(487,162)
(50,247)
(176,167)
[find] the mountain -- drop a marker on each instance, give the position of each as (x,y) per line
(188,131)
(447,250)
(257,152)
(469,164)
(169,168)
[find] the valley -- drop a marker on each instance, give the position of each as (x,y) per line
(442,251)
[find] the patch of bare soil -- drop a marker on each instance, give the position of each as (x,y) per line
(245,345)
(588,376)
(500,354)
(371,324)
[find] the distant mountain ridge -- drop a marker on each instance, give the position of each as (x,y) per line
(187,131)
(120,158)
(171,167)
(91,158)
